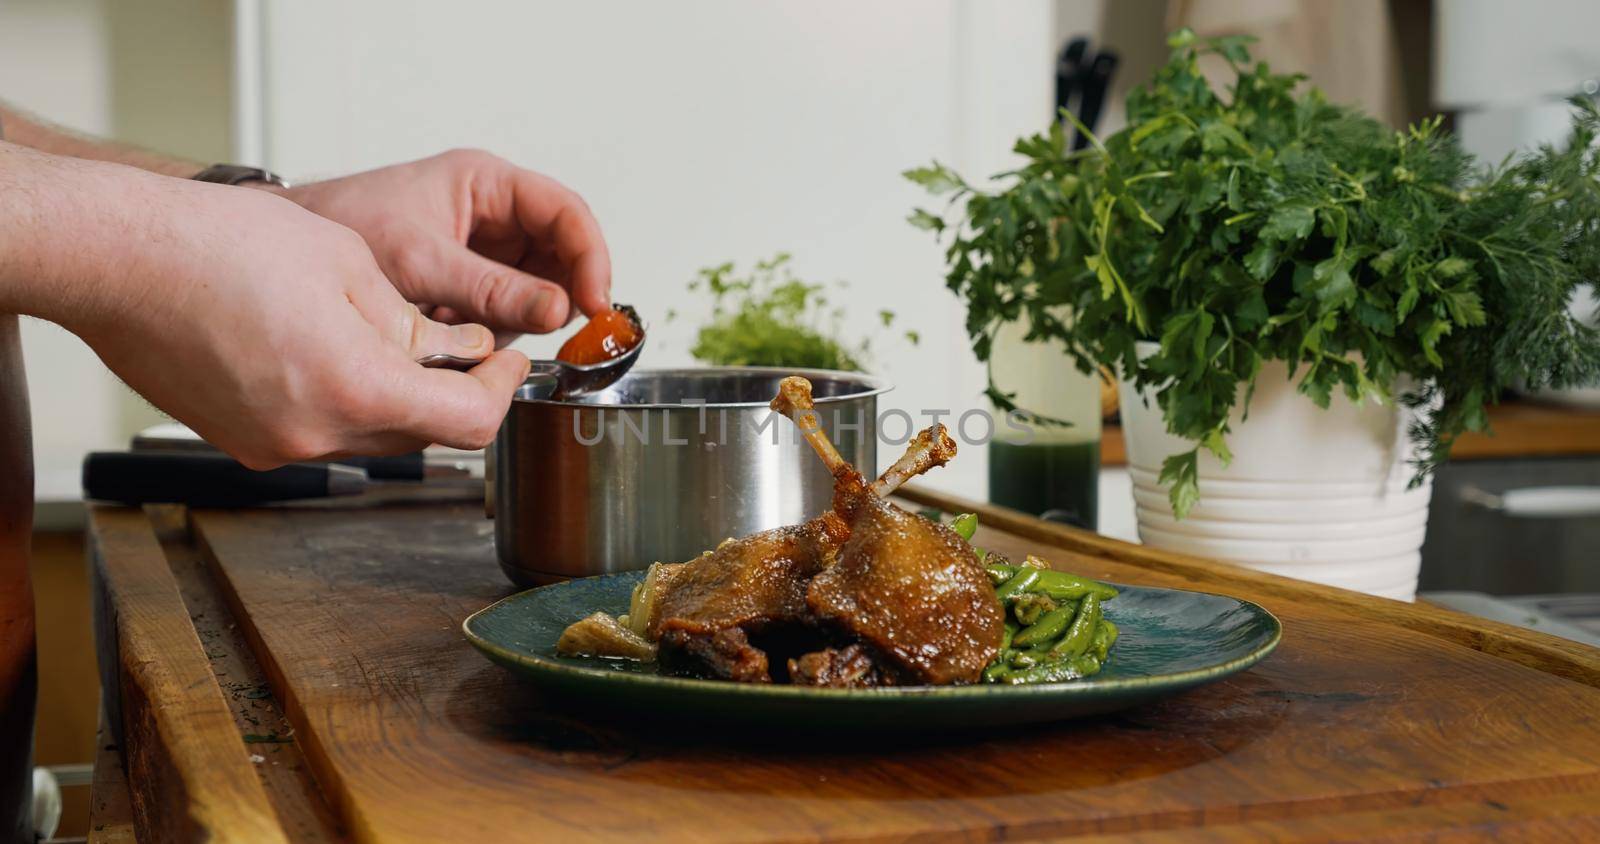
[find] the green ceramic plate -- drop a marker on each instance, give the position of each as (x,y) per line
(1171,640)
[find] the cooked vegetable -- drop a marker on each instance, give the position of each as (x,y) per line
(1046,628)
(602,635)
(1058,671)
(1030,606)
(1055,627)
(1070,587)
(1081,633)
(1011,629)
(642,605)
(1018,584)
(1001,572)
(1104,637)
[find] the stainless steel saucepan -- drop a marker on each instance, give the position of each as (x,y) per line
(663,465)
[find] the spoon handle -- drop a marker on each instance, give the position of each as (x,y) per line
(460,364)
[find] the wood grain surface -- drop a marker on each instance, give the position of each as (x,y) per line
(1372,718)
(268,736)
(181,747)
(110,806)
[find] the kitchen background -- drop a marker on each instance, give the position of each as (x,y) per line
(723,130)
(708,131)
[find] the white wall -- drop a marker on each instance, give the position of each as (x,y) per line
(55,62)
(153,73)
(698,131)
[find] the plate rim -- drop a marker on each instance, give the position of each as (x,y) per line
(783,691)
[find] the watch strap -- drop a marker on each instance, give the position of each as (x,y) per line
(233,174)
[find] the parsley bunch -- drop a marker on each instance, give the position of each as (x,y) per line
(769,317)
(1265,223)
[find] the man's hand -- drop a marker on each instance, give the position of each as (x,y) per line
(267,329)
(475,237)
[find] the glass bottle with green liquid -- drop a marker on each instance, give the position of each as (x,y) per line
(1050,471)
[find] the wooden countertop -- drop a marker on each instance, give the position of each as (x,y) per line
(1521,429)
(298,674)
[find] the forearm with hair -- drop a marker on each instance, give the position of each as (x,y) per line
(26,130)
(71,229)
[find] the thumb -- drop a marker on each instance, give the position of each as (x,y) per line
(443,272)
(403,324)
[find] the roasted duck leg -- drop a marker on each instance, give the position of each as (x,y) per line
(704,613)
(721,614)
(907,595)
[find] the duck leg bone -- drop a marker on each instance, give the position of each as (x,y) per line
(794,401)
(931,448)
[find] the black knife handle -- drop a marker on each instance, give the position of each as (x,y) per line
(398,467)
(204,480)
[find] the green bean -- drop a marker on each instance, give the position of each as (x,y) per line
(1047,628)
(1017,583)
(1081,633)
(1000,572)
(1069,587)
(1028,607)
(1027,657)
(965,525)
(995,672)
(1104,637)
(1055,671)
(1011,629)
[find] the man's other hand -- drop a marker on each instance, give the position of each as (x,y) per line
(473,238)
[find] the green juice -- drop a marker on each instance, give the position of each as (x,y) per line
(1045,470)
(1059,480)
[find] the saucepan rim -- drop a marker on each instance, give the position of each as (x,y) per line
(872,386)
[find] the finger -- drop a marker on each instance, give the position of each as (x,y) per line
(558,221)
(449,316)
(469,286)
(405,325)
(376,445)
(460,410)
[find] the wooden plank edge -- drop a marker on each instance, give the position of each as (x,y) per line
(317,756)
(291,788)
(193,782)
(110,806)
(1543,652)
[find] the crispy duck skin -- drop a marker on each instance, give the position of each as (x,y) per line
(758,583)
(914,593)
(912,606)
(758,580)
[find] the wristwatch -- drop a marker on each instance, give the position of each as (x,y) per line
(233,174)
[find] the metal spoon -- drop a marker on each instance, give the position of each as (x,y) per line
(555,379)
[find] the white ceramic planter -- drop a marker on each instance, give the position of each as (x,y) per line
(1315,494)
